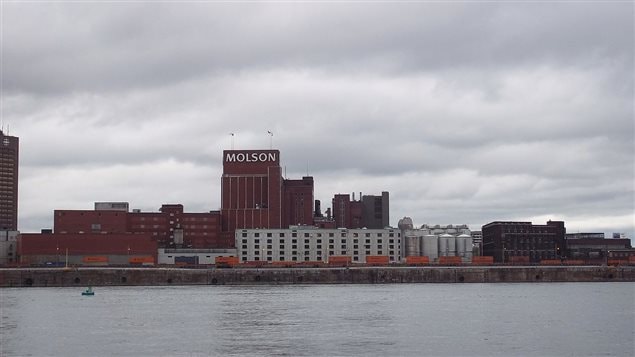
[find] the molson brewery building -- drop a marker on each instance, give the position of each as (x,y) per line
(255,195)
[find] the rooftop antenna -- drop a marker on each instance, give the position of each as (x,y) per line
(232,134)
(270,139)
(307,168)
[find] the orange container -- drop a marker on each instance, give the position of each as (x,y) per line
(284,264)
(416,260)
(377,259)
(141,260)
(617,262)
(450,261)
(339,260)
(95,259)
(226,261)
(310,264)
(482,260)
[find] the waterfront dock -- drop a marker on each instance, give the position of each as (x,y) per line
(61,277)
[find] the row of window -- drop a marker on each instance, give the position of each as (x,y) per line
(343,241)
(308,235)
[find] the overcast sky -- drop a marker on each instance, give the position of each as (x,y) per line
(466,112)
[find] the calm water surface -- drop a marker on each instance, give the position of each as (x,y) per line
(576,319)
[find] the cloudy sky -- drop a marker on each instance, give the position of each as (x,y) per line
(466,112)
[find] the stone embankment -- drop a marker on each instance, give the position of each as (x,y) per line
(42,277)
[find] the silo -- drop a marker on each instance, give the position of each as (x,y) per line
(430,245)
(447,245)
(461,245)
(413,244)
(467,239)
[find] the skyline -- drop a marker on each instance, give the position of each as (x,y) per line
(466,113)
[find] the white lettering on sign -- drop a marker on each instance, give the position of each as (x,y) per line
(250,157)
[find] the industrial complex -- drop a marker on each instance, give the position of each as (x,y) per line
(266,219)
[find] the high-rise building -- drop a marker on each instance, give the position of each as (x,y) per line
(9,149)
(368,212)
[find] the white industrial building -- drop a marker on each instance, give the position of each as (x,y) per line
(299,244)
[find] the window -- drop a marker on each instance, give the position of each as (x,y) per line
(391,241)
(367,240)
(355,246)
(294,234)
(306,246)
(355,240)
(256,246)
(367,235)
(269,246)
(331,252)
(391,246)
(281,241)
(331,246)
(343,252)
(368,252)
(319,246)
(379,252)
(269,258)
(343,246)
(355,252)
(268,240)
(331,235)
(256,253)
(319,234)
(256,241)
(244,259)
(306,241)
(294,258)
(392,252)
(256,234)
(343,235)
(331,240)
(379,241)
(256,258)
(319,241)
(281,235)
(244,246)
(391,234)
(356,258)
(268,252)
(379,234)
(281,246)
(268,234)
(355,234)
(306,235)
(294,240)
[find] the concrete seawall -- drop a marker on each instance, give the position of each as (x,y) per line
(42,277)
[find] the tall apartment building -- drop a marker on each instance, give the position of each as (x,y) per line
(9,150)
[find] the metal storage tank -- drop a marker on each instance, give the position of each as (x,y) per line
(447,245)
(461,245)
(413,244)
(430,246)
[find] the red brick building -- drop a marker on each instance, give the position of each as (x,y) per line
(170,227)
(87,249)
(255,195)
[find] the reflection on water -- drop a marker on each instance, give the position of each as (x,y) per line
(316,320)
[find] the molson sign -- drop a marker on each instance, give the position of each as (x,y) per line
(251,156)
(254,156)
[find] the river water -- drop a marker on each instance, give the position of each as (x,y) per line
(544,319)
